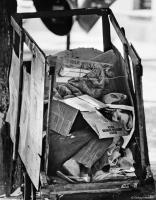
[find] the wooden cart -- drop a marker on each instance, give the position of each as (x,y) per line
(27,133)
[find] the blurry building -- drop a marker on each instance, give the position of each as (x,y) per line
(139,20)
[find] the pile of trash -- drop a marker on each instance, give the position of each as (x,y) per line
(92,117)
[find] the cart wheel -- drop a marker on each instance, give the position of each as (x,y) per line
(29,191)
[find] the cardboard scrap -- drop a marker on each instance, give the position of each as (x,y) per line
(92,101)
(77,65)
(79,104)
(63,117)
(65,112)
(68,68)
(103,127)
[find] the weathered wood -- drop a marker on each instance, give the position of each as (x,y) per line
(14,89)
(30,139)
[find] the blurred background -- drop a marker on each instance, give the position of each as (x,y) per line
(138,17)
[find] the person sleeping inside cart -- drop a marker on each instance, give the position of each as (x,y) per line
(81,155)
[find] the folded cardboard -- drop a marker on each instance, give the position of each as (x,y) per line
(66,113)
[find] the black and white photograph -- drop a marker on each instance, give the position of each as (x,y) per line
(78,99)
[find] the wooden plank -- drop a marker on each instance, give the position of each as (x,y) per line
(15,85)
(36,118)
(31,123)
(37,102)
(25,114)
(14,88)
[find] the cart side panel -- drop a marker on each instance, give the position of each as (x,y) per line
(31,118)
(13,89)
(37,102)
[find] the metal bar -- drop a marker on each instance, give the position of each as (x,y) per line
(33,46)
(83,188)
(68,41)
(126,57)
(141,113)
(117,28)
(135,52)
(51,61)
(63,13)
(107,45)
(97,191)
(140,123)
(132,90)
(123,39)
(27,38)
(15,26)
